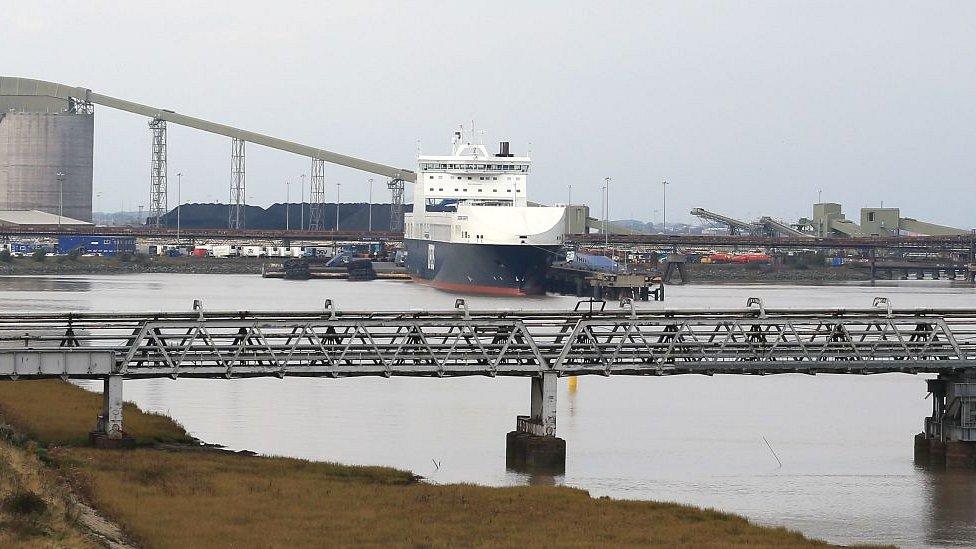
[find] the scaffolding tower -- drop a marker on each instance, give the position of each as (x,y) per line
(158,202)
(316,196)
(235,219)
(396,205)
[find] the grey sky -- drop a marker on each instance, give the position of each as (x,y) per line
(747,108)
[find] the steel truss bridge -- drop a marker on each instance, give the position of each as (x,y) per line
(541,345)
(330,343)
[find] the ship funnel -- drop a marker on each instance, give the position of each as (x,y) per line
(503,149)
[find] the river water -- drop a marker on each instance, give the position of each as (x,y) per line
(845,442)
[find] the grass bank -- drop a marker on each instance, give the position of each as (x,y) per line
(755,272)
(166,497)
(135,265)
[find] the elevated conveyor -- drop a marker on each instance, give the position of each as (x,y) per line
(774,227)
(846,227)
(929,229)
(735,226)
(28,88)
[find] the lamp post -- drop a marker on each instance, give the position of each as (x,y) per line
(338,185)
(303,203)
(664,217)
(60,177)
(370,226)
(287,198)
(179,203)
(606,218)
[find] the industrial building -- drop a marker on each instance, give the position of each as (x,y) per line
(35,218)
(829,221)
(46,151)
(889,222)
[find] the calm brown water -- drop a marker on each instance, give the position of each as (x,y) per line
(845,441)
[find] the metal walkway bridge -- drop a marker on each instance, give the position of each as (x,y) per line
(514,343)
(542,345)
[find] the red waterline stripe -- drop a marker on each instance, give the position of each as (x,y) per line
(472,288)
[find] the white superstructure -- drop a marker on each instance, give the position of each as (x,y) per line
(475,197)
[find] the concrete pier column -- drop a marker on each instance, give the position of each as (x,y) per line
(948,437)
(533,445)
(112,407)
(109,433)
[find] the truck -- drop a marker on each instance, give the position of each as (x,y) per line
(224,250)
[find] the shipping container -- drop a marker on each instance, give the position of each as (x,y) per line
(224,250)
(23,248)
(751,258)
(101,245)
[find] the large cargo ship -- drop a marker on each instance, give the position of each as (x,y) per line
(472,229)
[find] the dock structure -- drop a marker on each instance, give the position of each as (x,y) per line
(903,270)
(570,279)
(542,345)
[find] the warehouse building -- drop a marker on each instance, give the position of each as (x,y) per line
(35,218)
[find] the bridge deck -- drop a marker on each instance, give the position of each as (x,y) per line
(235,344)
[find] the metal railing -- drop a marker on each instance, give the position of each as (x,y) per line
(461,342)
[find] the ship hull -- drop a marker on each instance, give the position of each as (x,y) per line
(486,269)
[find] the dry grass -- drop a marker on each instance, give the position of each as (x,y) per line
(206,499)
(34,511)
(54,412)
(180,499)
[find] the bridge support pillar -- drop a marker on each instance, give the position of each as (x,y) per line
(949,434)
(533,445)
(108,432)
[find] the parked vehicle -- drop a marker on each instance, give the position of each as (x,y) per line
(592,262)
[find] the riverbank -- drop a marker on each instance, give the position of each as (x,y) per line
(775,273)
(131,265)
(171,492)
(252,265)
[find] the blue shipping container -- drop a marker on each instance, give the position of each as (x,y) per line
(102,245)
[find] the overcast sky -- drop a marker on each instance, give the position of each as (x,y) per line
(746,108)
